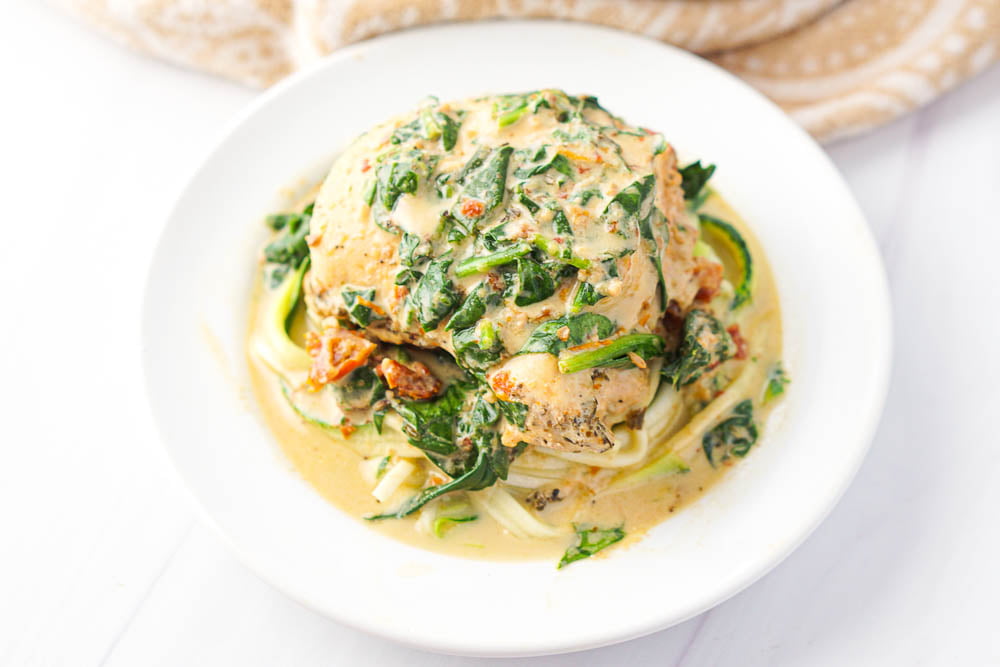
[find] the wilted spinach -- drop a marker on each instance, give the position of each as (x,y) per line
(429,125)
(558,162)
(534,283)
(477,347)
(289,250)
(585,196)
(399,173)
(704,346)
(430,427)
(360,390)
(484,183)
(515,412)
(586,295)
(776,381)
(478,464)
(471,310)
(434,295)
(358,302)
(412,251)
(590,540)
(733,436)
(694,177)
(630,206)
(578,329)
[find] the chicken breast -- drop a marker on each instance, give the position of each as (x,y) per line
(536,238)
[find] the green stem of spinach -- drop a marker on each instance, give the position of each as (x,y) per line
(553,249)
(512,116)
(609,353)
(474,265)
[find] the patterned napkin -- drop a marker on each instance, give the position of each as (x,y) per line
(837,66)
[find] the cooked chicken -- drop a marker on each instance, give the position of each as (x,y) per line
(527,236)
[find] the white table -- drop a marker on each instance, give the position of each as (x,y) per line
(104,562)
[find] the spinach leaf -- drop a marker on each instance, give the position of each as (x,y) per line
(443,187)
(429,125)
(449,131)
(470,312)
(430,427)
(524,200)
(494,237)
(616,354)
(477,160)
(653,220)
(485,460)
(397,180)
(480,475)
(587,133)
(438,125)
(534,283)
(559,162)
(358,303)
(361,389)
(586,295)
(587,102)
(434,295)
(508,109)
(560,223)
(630,206)
(585,196)
(694,177)
(484,413)
(579,329)
(278,221)
(515,412)
(590,540)
(411,252)
(289,250)
(398,174)
(776,381)
(705,345)
(733,436)
(477,348)
(483,188)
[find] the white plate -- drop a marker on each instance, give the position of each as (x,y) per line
(833,293)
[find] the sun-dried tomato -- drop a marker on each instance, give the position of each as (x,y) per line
(414,381)
(335,353)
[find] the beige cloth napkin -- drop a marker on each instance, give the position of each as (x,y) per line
(837,66)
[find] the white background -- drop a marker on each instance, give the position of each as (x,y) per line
(102,560)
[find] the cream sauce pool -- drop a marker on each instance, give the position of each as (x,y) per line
(332,465)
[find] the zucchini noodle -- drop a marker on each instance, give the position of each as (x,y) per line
(271,342)
(395,477)
(686,443)
(523,481)
(663,414)
(511,514)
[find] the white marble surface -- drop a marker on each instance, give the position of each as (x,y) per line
(103,561)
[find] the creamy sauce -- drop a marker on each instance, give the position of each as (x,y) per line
(336,467)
